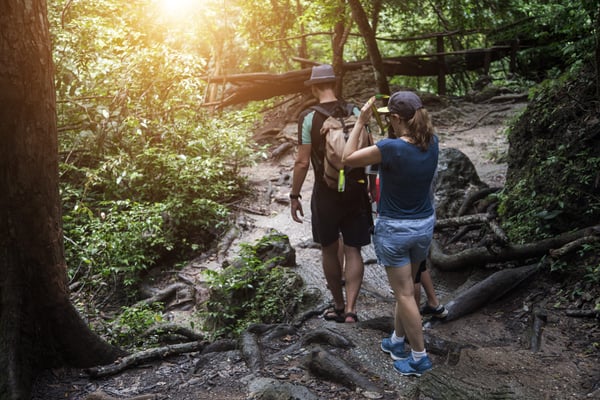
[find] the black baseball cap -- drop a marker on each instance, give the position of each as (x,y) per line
(404,103)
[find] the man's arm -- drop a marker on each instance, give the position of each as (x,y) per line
(301,166)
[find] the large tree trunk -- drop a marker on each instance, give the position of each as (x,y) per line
(39,327)
(368,34)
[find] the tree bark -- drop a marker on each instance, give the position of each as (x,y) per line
(39,327)
(368,34)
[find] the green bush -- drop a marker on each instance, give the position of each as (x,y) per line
(125,211)
(117,240)
(553,162)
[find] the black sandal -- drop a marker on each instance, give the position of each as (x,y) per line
(334,314)
(352,316)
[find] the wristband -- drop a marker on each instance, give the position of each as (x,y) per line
(295,196)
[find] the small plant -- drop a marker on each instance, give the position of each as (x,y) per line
(252,290)
(127,329)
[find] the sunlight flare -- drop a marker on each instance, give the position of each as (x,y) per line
(179,9)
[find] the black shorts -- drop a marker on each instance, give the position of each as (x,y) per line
(348,213)
(422,268)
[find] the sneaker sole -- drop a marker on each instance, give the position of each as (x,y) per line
(411,373)
(395,358)
(417,374)
(428,311)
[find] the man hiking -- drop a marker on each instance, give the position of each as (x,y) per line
(345,211)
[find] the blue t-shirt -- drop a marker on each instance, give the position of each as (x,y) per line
(405,176)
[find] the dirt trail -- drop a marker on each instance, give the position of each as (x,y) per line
(499,332)
(499,360)
(500,357)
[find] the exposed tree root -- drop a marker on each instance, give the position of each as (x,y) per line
(143,356)
(488,290)
(251,352)
(441,383)
(538,320)
(583,313)
(322,364)
(574,245)
(325,336)
(172,329)
(481,256)
(164,294)
(99,395)
(462,220)
(474,197)
(474,124)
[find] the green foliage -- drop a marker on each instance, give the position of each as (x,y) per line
(145,173)
(126,331)
(118,239)
(584,264)
(544,212)
(553,163)
(559,35)
(249,291)
(591,254)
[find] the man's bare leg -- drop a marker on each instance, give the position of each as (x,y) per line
(355,270)
(333,273)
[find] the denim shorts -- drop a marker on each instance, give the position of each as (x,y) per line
(399,242)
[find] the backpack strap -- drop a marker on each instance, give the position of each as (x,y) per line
(322,110)
(348,110)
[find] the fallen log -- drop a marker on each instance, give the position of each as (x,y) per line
(487,291)
(480,256)
(262,86)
